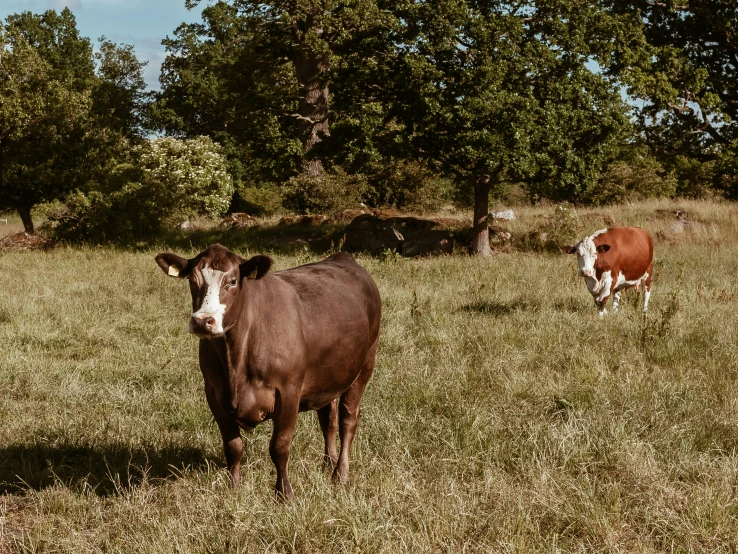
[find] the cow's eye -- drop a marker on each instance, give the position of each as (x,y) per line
(233,282)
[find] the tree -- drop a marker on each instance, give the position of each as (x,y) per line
(225,78)
(493,91)
(682,63)
(271,59)
(61,123)
(44,102)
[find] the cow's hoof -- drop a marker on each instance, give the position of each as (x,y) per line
(329,464)
(340,477)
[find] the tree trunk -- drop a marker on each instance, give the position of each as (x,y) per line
(25,215)
(480,231)
(312,123)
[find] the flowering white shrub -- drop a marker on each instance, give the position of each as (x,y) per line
(190,175)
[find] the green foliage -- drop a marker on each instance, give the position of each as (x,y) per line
(45,75)
(62,124)
(326,193)
(229,79)
(565,226)
(170,180)
(407,185)
(191,174)
(504,90)
(129,213)
(635,176)
(265,199)
(679,59)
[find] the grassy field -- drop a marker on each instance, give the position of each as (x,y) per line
(503,415)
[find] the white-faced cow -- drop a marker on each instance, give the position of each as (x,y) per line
(275,344)
(614,259)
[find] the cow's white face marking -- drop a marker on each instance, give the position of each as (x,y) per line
(586,258)
(211,305)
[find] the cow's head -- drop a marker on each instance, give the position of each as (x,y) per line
(216,276)
(586,252)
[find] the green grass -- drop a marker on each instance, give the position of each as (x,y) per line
(503,414)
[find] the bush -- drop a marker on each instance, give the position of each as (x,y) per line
(96,217)
(168,181)
(191,175)
(408,185)
(325,193)
(262,200)
(639,177)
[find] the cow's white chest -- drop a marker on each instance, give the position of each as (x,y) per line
(599,288)
(211,305)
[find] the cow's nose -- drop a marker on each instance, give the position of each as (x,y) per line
(585,272)
(202,323)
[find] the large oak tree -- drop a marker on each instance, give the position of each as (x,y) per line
(61,121)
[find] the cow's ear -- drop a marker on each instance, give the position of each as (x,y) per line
(173,265)
(566,249)
(602,248)
(256,267)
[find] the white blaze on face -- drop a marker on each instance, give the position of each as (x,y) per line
(211,305)
(586,257)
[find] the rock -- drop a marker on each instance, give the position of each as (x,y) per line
(387,213)
(428,243)
(368,233)
(307,220)
(677,213)
(238,220)
(504,215)
(676,230)
(186,226)
(409,236)
(498,235)
(25,241)
(346,216)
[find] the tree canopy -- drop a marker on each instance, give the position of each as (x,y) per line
(681,62)
(61,121)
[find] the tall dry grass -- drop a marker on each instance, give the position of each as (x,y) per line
(503,416)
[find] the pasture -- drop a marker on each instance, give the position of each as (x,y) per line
(503,416)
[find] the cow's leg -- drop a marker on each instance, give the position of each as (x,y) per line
(232,443)
(285,419)
(348,414)
(328,418)
(647,288)
(615,301)
(602,305)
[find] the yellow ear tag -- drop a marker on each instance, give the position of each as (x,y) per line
(253,274)
(173,271)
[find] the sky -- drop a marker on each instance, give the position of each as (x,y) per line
(142,23)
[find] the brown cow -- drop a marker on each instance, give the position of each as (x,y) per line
(614,259)
(273,345)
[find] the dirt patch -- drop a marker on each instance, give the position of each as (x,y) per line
(25,241)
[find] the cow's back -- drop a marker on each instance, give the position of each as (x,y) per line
(630,252)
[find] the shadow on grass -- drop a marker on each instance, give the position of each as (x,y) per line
(490,307)
(105,470)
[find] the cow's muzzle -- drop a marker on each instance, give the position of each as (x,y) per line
(202,326)
(586,273)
